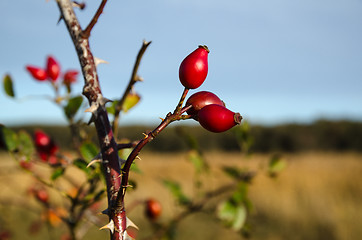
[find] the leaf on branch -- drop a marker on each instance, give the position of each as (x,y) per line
(10,138)
(57,173)
(233,215)
(276,165)
(88,151)
(131,100)
(177,192)
(26,145)
(73,106)
(8,86)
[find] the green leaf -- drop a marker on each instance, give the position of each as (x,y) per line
(88,151)
(73,106)
(176,191)
(131,100)
(82,165)
(26,144)
(233,215)
(276,165)
(198,161)
(112,108)
(8,86)
(57,173)
(10,138)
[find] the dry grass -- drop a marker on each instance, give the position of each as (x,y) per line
(317,196)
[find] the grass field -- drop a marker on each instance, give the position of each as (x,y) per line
(318,196)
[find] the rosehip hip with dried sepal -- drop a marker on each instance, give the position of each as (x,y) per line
(53,68)
(193,69)
(201,99)
(153,209)
(37,73)
(216,118)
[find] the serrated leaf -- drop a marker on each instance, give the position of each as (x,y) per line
(26,144)
(88,151)
(8,86)
(131,100)
(233,215)
(276,165)
(10,138)
(57,173)
(73,106)
(176,191)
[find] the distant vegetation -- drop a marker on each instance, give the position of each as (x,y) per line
(322,135)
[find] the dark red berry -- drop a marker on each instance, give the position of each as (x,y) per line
(45,146)
(53,68)
(216,118)
(193,69)
(153,209)
(201,99)
(70,77)
(37,73)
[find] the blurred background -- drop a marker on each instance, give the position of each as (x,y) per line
(291,68)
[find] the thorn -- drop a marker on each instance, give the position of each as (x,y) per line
(91,120)
(105,211)
(129,223)
(144,134)
(109,226)
(162,119)
(104,101)
(93,161)
(81,6)
(138,158)
(92,108)
(138,78)
(98,61)
(60,19)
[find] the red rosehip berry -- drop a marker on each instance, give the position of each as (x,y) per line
(41,139)
(53,68)
(193,69)
(45,146)
(216,118)
(201,99)
(70,77)
(42,195)
(153,209)
(37,73)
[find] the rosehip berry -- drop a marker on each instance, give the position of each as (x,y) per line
(201,99)
(193,69)
(45,146)
(216,118)
(37,73)
(53,68)
(70,77)
(42,195)
(153,209)
(42,140)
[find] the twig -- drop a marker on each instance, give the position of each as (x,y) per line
(134,78)
(87,31)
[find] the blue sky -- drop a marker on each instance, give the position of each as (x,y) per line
(273,61)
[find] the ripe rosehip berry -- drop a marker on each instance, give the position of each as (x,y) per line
(216,118)
(45,146)
(193,69)
(201,99)
(42,195)
(37,73)
(53,68)
(153,209)
(41,139)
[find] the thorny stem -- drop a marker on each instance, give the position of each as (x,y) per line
(110,159)
(134,78)
(170,117)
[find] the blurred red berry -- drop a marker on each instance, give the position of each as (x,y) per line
(41,195)
(193,69)
(153,209)
(70,77)
(53,68)
(45,147)
(37,73)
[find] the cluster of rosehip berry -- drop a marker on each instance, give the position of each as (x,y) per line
(51,72)
(46,147)
(205,107)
